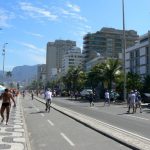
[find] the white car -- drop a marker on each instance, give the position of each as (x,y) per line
(84,93)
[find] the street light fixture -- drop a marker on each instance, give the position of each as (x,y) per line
(123,52)
(3,53)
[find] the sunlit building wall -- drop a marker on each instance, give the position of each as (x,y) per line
(107,42)
(54,54)
(138,56)
(72,58)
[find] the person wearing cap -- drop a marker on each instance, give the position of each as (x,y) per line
(131,100)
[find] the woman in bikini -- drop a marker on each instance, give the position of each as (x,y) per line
(6,104)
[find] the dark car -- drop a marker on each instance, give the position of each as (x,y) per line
(145,97)
(85,93)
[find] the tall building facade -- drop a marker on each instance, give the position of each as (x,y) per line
(138,56)
(107,42)
(54,54)
(72,58)
(41,72)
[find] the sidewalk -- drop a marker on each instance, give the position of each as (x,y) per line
(13,135)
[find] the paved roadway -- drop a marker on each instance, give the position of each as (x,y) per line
(115,115)
(56,131)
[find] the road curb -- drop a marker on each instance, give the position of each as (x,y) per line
(127,138)
(27,144)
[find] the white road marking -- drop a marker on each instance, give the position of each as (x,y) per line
(50,122)
(67,139)
(42,115)
(137,117)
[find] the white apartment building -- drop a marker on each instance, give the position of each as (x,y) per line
(54,54)
(72,58)
(138,56)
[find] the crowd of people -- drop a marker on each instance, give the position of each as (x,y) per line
(133,101)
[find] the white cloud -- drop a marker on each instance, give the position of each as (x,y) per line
(33,48)
(73,15)
(37,59)
(73,7)
(36,12)
(5,17)
(34,34)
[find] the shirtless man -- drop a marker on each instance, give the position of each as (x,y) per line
(6,104)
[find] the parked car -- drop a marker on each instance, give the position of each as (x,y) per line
(145,97)
(85,93)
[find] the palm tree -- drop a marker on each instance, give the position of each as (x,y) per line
(8,74)
(111,69)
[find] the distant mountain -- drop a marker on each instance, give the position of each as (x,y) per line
(24,73)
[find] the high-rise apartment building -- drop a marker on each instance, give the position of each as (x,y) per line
(54,54)
(138,56)
(107,42)
(72,58)
(41,72)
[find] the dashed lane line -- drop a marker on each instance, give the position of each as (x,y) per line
(67,139)
(42,115)
(138,117)
(50,122)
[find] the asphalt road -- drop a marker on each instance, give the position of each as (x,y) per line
(56,131)
(115,115)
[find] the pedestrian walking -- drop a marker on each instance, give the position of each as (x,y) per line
(91,98)
(107,98)
(138,101)
(32,95)
(6,104)
(131,101)
(48,98)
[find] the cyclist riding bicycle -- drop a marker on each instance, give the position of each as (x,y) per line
(48,98)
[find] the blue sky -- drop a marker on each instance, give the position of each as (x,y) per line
(27,25)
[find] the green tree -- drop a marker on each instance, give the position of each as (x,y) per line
(94,76)
(8,74)
(111,70)
(74,79)
(133,81)
(146,84)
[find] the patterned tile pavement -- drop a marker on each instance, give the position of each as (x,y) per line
(13,136)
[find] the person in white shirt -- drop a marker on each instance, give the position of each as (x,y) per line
(48,98)
(131,100)
(107,98)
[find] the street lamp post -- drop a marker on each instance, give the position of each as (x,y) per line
(3,53)
(123,52)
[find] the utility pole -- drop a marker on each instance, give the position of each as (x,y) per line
(123,52)
(3,53)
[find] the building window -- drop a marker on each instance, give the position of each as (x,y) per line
(131,55)
(137,53)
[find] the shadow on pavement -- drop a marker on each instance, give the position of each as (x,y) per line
(38,112)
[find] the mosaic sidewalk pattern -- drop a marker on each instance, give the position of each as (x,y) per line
(12,136)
